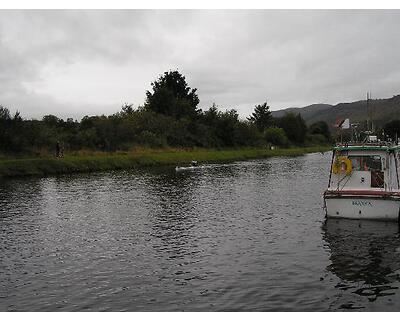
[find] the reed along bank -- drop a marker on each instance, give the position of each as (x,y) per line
(44,166)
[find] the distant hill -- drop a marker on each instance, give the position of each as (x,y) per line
(381,111)
(306,112)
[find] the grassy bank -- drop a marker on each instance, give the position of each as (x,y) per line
(142,158)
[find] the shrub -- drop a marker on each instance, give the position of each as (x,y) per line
(276,136)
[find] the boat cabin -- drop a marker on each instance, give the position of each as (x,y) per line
(365,166)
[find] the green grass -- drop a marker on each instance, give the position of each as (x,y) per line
(136,159)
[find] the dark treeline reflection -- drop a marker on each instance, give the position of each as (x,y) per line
(170,117)
(365,255)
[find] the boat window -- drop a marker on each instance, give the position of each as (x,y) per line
(366,163)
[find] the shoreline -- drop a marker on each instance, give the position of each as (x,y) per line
(50,166)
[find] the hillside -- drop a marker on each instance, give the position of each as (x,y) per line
(306,112)
(381,111)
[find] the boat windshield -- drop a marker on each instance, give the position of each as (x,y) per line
(366,163)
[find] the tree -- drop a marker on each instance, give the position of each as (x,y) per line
(320,127)
(392,129)
(261,117)
(227,125)
(211,116)
(51,120)
(172,96)
(294,126)
(127,109)
(17,116)
(276,136)
(5,124)
(4,114)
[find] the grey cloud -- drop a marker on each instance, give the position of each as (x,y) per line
(235,58)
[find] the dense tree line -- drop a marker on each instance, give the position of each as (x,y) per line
(170,117)
(392,129)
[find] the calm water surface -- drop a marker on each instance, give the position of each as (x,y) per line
(248,236)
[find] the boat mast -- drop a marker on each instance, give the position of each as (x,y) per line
(370,124)
(368,111)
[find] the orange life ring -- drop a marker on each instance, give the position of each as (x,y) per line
(342,165)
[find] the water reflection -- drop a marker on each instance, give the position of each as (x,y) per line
(365,255)
(242,236)
(173,213)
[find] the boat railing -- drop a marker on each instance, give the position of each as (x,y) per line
(366,144)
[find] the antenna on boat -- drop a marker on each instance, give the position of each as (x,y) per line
(371,114)
(367,110)
(370,123)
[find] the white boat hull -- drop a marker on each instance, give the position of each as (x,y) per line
(363,208)
(189,168)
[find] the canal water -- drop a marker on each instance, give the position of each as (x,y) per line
(246,236)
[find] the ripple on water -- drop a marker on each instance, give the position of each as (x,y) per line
(246,236)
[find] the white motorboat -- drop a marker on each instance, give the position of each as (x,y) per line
(193,166)
(188,168)
(364,182)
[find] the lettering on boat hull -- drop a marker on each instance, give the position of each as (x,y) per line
(361,203)
(358,208)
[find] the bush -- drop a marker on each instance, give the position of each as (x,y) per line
(320,128)
(276,136)
(294,126)
(151,139)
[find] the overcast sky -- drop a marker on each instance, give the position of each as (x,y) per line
(76,63)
